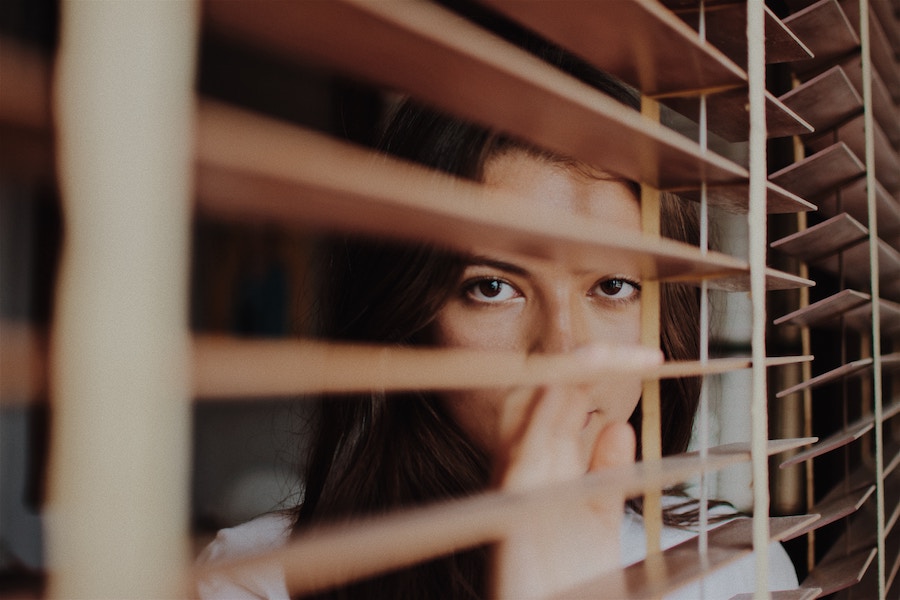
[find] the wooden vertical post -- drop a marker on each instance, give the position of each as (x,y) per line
(118,502)
(651,442)
(759,432)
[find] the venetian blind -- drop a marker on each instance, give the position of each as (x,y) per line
(119,445)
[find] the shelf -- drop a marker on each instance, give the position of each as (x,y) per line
(826,100)
(852,133)
(726,29)
(254,168)
(728,115)
(481,78)
(681,564)
(823,239)
(672,58)
(820,173)
(855,368)
(735,199)
(824,29)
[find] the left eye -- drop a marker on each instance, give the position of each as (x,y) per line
(617,288)
(490,290)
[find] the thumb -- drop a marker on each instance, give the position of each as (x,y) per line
(614,447)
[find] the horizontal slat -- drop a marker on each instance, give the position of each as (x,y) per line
(680,565)
(245,368)
(839,571)
(826,100)
(825,310)
(728,115)
(427,51)
(852,133)
(883,106)
(726,29)
(735,198)
(836,506)
(253,168)
(798,594)
(824,29)
(222,367)
(856,368)
(319,559)
(775,280)
(883,59)
(672,59)
(820,173)
(852,200)
(860,318)
(849,434)
(855,264)
(823,239)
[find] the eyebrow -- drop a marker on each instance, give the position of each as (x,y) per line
(496,264)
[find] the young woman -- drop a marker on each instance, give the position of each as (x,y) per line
(374,453)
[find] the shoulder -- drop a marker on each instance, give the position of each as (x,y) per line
(267,532)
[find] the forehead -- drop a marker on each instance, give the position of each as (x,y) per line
(554,186)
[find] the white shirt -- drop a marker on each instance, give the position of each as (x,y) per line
(273,530)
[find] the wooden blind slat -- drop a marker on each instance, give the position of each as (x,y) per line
(734,198)
(726,26)
(728,117)
(835,507)
(254,168)
(855,262)
(297,366)
(887,165)
(840,571)
(824,29)
(775,280)
(804,593)
(482,78)
(883,107)
(319,559)
(852,199)
(823,171)
(680,565)
(825,100)
(671,57)
(856,368)
(825,310)
(823,239)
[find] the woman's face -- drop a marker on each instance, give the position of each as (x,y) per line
(512,302)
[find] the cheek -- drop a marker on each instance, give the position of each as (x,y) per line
(493,329)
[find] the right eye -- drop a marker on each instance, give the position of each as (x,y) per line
(490,290)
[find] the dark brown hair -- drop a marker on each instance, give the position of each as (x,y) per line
(374,453)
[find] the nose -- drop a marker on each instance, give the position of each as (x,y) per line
(562,324)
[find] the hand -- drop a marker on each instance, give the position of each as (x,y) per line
(544,443)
